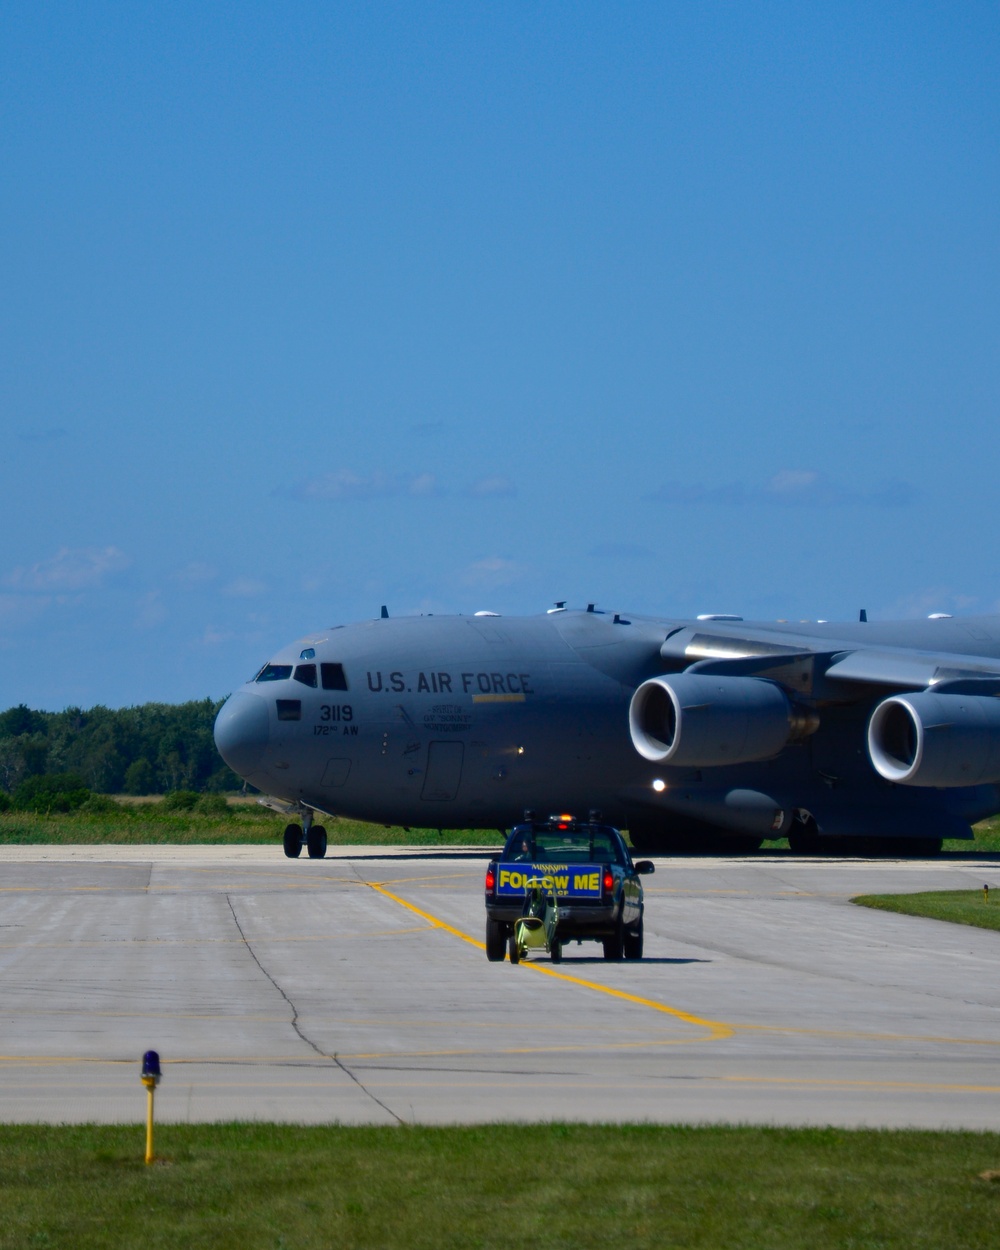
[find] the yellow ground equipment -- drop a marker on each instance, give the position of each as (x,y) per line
(536,928)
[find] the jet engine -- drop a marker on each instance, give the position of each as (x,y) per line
(929,739)
(693,720)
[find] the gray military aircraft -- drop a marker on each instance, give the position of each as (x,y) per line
(704,735)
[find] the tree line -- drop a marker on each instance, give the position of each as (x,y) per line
(155,748)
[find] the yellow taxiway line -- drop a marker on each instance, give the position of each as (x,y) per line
(717,1029)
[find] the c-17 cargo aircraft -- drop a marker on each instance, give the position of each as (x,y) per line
(695,735)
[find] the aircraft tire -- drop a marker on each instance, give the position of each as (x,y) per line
(317,842)
(633,942)
(512,951)
(496,941)
(293,841)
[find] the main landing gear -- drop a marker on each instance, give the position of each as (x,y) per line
(312,837)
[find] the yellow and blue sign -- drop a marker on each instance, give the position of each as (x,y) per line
(570,880)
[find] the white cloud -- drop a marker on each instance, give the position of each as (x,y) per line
(213,637)
(70,569)
(18,610)
(789,488)
(491,572)
(245,588)
(423,484)
(346,484)
(195,574)
(495,487)
(150,611)
(621,551)
(793,482)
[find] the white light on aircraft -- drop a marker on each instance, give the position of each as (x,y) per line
(659,786)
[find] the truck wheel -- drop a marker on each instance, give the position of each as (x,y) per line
(496,941)
(512,951)
(555,952)
(633,942)
(614,946)
(293,841)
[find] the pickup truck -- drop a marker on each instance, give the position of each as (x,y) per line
(596,887)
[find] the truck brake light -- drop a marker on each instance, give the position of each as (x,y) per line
(609,882)
(490,879)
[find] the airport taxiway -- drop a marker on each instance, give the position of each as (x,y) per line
(355,989)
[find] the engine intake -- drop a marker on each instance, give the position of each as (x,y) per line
(929,739)
(697,721)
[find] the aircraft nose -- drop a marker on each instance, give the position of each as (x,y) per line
(241,731)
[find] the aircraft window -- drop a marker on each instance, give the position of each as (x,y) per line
(333,677)
(306,674)
(308,654)
(289,709)
(274,672)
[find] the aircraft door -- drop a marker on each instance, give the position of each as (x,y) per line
(444,771)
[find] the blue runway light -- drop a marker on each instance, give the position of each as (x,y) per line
(151,1064)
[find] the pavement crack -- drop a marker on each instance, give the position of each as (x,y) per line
(332,1058)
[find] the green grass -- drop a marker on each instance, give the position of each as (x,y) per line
(555,1185)
(245,821)
(136,821)
(958,906)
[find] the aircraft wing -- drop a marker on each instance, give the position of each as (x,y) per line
(828,667)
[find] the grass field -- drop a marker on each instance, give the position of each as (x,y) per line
(150,820)
(135,821)
(958,906)
(556,1185)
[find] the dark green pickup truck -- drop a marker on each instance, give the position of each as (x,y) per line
(595,885)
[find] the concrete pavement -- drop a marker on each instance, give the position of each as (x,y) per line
(355,989)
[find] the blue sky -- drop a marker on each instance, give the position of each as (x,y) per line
(673,307)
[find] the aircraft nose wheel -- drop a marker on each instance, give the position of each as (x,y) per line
(293,841)
(316,842)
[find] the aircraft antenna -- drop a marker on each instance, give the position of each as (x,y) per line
(385,613)
(863,616)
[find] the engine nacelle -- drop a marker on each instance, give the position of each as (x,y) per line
(692,720)
(929,739)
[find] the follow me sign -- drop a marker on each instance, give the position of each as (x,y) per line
(571,880)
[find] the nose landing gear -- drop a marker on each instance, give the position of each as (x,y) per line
(312,837)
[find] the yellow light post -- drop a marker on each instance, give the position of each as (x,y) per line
(150,1078)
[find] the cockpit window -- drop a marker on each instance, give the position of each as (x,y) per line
(308,654)
(333,677)
(274,672)
(306,674)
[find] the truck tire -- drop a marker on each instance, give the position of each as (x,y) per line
(496,941)
(633,942)
(614,946)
